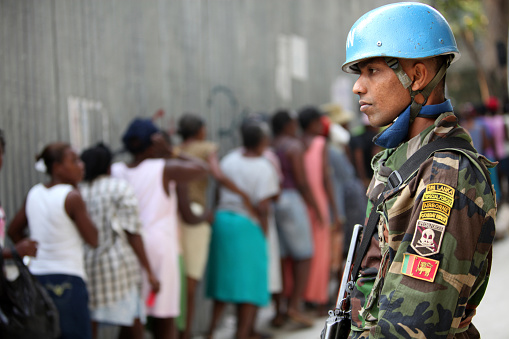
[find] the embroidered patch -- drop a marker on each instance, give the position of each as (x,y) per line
(419,268)
(436,207)
(434,216)
(438,197)
(437,203)
(440,188)
(427,238)
(439,193)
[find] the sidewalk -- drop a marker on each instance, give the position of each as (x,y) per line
(288,331)
(487,320)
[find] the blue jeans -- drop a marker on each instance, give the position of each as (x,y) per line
(69,293)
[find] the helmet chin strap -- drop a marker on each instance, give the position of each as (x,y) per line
(405,80)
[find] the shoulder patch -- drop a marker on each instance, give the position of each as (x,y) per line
(428,237)
(419,268)
(437,203)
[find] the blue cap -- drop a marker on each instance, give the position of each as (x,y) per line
(138,136)
(407,30)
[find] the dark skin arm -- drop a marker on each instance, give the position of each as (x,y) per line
(327,182)
(263,214)
(77,211)
(18,225)
(17,229)
(25,247)
(136,243)
(183,171)
(296,155)
(184,206)
(215,169)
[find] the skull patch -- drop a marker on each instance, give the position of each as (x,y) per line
(427,238)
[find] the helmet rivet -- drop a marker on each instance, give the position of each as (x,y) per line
(379,43)
(441,41)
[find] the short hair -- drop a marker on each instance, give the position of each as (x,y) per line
(97,161)
(280,120)
(189,125)
(252,134)
(308,115)
(53,153)
(438,61)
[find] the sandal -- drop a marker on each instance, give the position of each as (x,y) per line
(278,321)
(300,319)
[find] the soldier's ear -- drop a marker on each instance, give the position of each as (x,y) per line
(419,76)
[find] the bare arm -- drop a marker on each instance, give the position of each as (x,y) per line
(24,247)
(223,180)
(18,225)
(184,206)
(327,182)
(136,243)
(263,214)
(297,159)
(77,211)
(184,170)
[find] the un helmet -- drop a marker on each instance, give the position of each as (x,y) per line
(407,30)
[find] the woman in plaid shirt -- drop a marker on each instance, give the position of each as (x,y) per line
(113,268)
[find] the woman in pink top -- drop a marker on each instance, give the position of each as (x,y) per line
(316,164)
(154,183)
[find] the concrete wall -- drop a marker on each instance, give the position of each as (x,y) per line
(80,70)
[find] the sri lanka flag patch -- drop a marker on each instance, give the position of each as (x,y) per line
(419,267)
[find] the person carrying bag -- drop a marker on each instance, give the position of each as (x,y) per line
(26,309)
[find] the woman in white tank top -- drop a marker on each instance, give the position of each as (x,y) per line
(57,219)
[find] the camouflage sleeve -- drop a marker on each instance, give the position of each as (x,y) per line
(440,231)
(361,321)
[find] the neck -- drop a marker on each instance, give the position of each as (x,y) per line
(419,125)
(57,181)
(251,153)
(137,159)
(191,139)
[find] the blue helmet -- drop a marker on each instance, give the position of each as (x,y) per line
(407,30)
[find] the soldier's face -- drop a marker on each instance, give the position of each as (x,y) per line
(381,95)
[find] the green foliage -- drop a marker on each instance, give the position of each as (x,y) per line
(463,15)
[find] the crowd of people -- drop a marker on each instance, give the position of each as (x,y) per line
(121,242)
(115,242)
(487,124)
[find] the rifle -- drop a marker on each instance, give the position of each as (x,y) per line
(337,326)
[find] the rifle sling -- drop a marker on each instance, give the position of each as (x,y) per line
(398,177)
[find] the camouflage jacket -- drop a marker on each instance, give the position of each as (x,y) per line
(429,268)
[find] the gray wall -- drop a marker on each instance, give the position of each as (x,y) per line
(103,62)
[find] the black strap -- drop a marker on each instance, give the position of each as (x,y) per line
(396,178)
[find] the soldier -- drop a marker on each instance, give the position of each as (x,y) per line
(427,270)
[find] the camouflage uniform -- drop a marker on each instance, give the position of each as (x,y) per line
(386,303)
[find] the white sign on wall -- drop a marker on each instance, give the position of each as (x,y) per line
(292,63)
(299,54)
(88,121)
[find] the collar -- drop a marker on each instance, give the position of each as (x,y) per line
(396,133)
